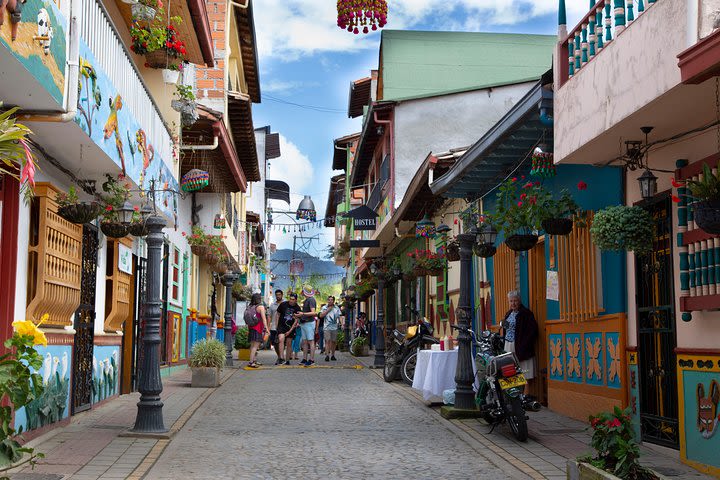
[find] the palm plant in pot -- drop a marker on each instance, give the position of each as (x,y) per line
(558,213)
(73,210)
(206,360)
(705,198)
(518,214)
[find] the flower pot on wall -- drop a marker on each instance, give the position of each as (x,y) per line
(707,216)
(114,230)
(80,213)
(170,76)
(557,226)
(521,243)
(142,12)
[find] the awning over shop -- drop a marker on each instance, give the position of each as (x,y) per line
(335,197)
(277,190)
(359,96)
(243,133)
(507,144)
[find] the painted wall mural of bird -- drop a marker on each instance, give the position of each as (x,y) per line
(111,127)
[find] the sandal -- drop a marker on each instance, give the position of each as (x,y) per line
(252,365)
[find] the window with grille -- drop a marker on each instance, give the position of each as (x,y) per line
(505,279)
(579,274)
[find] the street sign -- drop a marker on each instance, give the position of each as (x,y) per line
(364,243)
(364,218)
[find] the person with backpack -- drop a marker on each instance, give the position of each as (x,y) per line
(257,326)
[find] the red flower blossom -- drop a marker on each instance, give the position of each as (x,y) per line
(109,208)
(676,184)
(522,177)
(594,422)
(533,200)
(519,204)
(675,199)
(514,179)
(614,424)
(582,185)
(184,234)
(537,184)
(523,196)
(528,185)
(136,208)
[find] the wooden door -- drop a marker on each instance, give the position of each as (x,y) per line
(537,282)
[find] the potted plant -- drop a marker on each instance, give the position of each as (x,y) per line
(171,74)
(137,227)
(198,241)
(452,250)
(185,104)
(705,198)
(206,360)
(366,287)
(116,194)
(359,347)
(242,344)
(557,213)
(623,228)
(617,452)
(427,262)
(73,210)
(341,341)
(518,214)
(145,11)
(15,152)
(158,41)
(240,292)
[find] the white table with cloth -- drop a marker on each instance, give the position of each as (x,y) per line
(435,372)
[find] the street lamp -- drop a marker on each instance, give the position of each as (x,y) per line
(125,214)
(228,280)
(648,184)
(306,210)
(464,394)
(149,417)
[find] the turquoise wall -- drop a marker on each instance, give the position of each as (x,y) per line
(604,188)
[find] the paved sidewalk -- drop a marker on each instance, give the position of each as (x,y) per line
(553,440)
(92,447)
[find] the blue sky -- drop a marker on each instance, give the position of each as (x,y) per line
(306,59)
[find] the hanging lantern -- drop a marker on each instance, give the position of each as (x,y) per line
(306,210)
(361,15)
(543,165)
(425,228)
(443,228)
(195,180)
(219,222)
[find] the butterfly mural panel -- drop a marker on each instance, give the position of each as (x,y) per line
(613,365)
(555,351)
(574,357)
(593,346)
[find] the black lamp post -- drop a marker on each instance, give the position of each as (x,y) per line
(149,415)
(228,280)
(464,394)
(380,322)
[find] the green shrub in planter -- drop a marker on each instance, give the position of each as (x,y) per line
(341,341)
(623,228)
(207,353)
(241,338)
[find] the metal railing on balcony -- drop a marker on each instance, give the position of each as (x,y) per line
(99,33)
(597,29)
(376,194)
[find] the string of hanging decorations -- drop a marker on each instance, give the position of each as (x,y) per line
(361,15)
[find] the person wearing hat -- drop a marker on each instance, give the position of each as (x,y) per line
(308,325)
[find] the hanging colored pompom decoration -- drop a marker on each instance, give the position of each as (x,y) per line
(425,228)
(543,165)
(195,180)
(358,16)
(284,231)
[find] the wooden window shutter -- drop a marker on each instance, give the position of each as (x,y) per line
(504,279)
(119,288)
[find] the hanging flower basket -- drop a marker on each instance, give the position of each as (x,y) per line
(160,59)
(138,229)
(114,230)
(436,273)
(195,180)
(707,216)
(521,242)
(211,259)
(142,12)
(484,250)
(221,268)
(557,226)
(452,251)
(80,213)
(361,15)
(200,250)
(409,276)
(543,165)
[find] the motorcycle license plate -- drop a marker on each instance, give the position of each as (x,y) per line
(512,382)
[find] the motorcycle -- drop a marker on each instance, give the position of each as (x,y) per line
(401,351)
(501,383)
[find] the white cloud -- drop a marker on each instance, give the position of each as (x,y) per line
(290,29)
(280,86)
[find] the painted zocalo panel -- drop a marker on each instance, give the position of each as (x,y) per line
(106,371)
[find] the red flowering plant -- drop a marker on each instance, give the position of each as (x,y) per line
(518,210)
(706,188)
(117,191)
(427,261)
(148,37)
(616,449)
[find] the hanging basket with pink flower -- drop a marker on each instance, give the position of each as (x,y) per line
(364,16)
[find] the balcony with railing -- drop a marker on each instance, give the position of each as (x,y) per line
(618,70)
(376,195)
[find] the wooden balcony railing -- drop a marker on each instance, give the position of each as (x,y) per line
(605,20)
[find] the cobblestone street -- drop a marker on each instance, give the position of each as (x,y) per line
(336,422)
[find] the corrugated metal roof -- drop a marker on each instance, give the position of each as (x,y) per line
(421,64)
(359,96)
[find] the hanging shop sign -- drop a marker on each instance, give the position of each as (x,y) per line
(364,243)
(124,259)
(364,218)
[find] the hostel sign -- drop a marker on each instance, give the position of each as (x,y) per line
(364,218)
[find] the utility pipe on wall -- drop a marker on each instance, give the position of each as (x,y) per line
(216,142)
(71,91)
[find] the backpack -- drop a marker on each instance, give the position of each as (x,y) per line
(250,316)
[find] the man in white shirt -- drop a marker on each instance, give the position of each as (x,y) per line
(274,340)
(332,315)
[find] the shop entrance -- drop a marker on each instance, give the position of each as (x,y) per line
(656,331)
(538,305)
